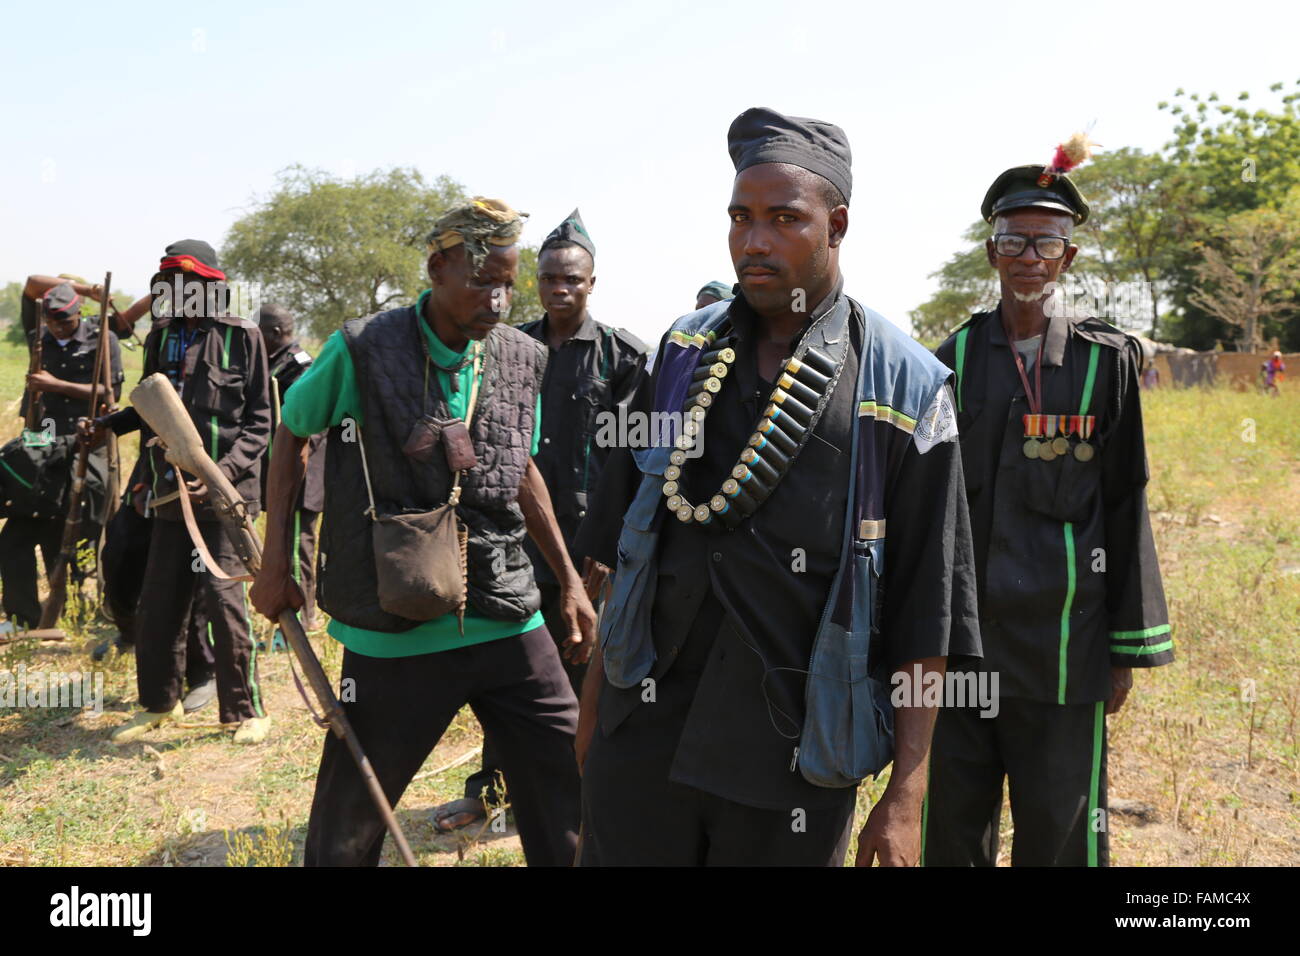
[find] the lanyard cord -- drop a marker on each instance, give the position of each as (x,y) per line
(1035,395)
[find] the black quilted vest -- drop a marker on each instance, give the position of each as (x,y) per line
(389,361)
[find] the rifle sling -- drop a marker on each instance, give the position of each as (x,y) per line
(196,536)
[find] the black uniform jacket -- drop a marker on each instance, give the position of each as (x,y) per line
(74,362)
(596,371)
(1068,579)
(220,369)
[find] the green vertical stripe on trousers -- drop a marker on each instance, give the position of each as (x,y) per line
(252,661)
(1094,791)
(1065,611)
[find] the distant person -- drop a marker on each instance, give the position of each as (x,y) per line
(713,292)
(1273,370)
(61,386)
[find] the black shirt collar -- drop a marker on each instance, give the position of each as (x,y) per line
(587,330)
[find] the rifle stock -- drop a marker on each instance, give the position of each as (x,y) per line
(159,405)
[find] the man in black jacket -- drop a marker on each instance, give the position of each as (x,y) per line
(217,362)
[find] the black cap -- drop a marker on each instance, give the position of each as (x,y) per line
(571,230)
(762,135)
(1023,187)
(62,301)
(192,255)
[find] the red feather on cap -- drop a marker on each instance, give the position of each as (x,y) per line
(1073,152)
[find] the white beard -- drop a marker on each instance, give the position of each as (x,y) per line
(1029,296)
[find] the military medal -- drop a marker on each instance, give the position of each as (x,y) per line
(1083,451)
(1061,444)
(1033,429)
(1047,450)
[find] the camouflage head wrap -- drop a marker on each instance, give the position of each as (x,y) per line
(477,224)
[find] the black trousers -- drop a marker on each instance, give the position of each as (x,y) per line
(304,564)
(401,708)
(125,558)
(1054,760)
(484,779)
(19,540)
(171,587)
(633,815)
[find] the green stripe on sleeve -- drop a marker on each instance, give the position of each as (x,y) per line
(1141,648)
(1139,635)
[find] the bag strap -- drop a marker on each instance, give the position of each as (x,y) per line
(469,416)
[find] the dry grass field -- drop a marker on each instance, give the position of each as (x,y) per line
(1208,779)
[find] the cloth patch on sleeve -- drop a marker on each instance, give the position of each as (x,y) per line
(938,424)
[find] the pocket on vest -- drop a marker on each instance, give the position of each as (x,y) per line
(848,729)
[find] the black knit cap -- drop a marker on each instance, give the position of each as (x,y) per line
(62,301)
(762,135)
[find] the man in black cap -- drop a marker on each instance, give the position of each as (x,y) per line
(288,360)
(757,617)
(69,347)
(217,362)
(712,292)
(592,371)
(1070,597)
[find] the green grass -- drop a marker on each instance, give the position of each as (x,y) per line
(1223,775)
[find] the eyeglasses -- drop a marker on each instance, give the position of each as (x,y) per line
(1047,247)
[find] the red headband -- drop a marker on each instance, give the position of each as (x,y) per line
(190,264)
(66,311)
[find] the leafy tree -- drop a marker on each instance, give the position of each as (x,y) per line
(333,249)
(1132,229)
(1251,271)
(1228,159)
(966,285)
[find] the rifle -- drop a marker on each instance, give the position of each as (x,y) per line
(158,404)
(113,478)
(35,399)
(53,606)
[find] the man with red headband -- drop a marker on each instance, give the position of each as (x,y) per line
(218,364)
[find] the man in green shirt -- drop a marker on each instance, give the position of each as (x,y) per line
(396,391)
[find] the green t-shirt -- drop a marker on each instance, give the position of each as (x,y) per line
(321,398)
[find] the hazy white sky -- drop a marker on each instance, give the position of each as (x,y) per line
(620,109)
